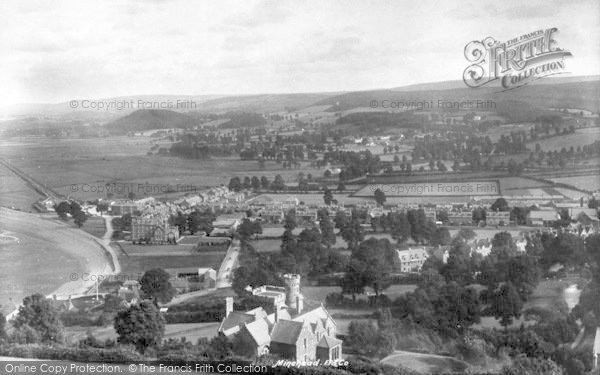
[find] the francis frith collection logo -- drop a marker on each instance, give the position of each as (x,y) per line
(516,62)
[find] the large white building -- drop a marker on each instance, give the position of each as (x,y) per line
(412,260)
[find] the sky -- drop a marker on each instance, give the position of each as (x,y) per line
(62,50)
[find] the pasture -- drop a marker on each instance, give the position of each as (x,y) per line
(82,168)
(581,137)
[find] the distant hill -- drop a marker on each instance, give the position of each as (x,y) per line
(149,119)
(263,103)
(582,95)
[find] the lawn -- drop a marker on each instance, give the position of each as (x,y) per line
(133,266)
(95,226)
(426,363)
(581,137)
(81,168)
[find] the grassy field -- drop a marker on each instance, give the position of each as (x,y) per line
(95,226)
(590,183)
(191,331)
(14,192)
(137,265)
(158,250)
(83,167)
(426,363)
(581,137)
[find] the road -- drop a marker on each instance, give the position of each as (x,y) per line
(225,273)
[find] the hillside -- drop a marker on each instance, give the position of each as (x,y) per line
(149,119)
(583,95)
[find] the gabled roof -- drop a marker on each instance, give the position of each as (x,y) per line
(234,319)
(320,313)
(328,342)
(286,331)
(597,341)
(259,330)
(548,215)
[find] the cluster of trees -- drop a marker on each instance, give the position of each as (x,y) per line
(255,183)
(404,225)
(72,208)
(194,222)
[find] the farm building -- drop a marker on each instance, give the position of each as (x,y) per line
(192,278)
(497,218)
(542,218)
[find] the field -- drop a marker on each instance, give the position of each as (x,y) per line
(95,226)
(426,363)
(589,183)
(191,331)
(14,192)
(581,137)
(82,168)
(134,266)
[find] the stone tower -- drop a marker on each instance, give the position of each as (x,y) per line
(292,289)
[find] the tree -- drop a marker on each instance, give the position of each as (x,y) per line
(2,325)
(352,233)
(220,348)
(367,340)
(466,233)
(441,236)
(102,207)
(532,366)
(37,313)
(327,197)
(500,205)
(506,304)
(326,227)
(79,218)
(62,209)
(379,259)
(235,184)
(141,325)
(156,285)
(379,197)
(248,228)
(353,282)
(503,246)
(340,219)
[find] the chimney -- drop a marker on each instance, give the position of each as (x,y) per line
(299,303)
(228,306)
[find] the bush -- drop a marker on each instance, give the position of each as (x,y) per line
(121,354)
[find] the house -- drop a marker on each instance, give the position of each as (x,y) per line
(272,216)
(412,260)
(497,218)
(192,278)
(587,217)
(227,224)
(306,336)
(542,217)
(129,292)
(276,293)
(153,230)
(460,217)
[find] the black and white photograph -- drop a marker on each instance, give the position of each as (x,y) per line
(328,187)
